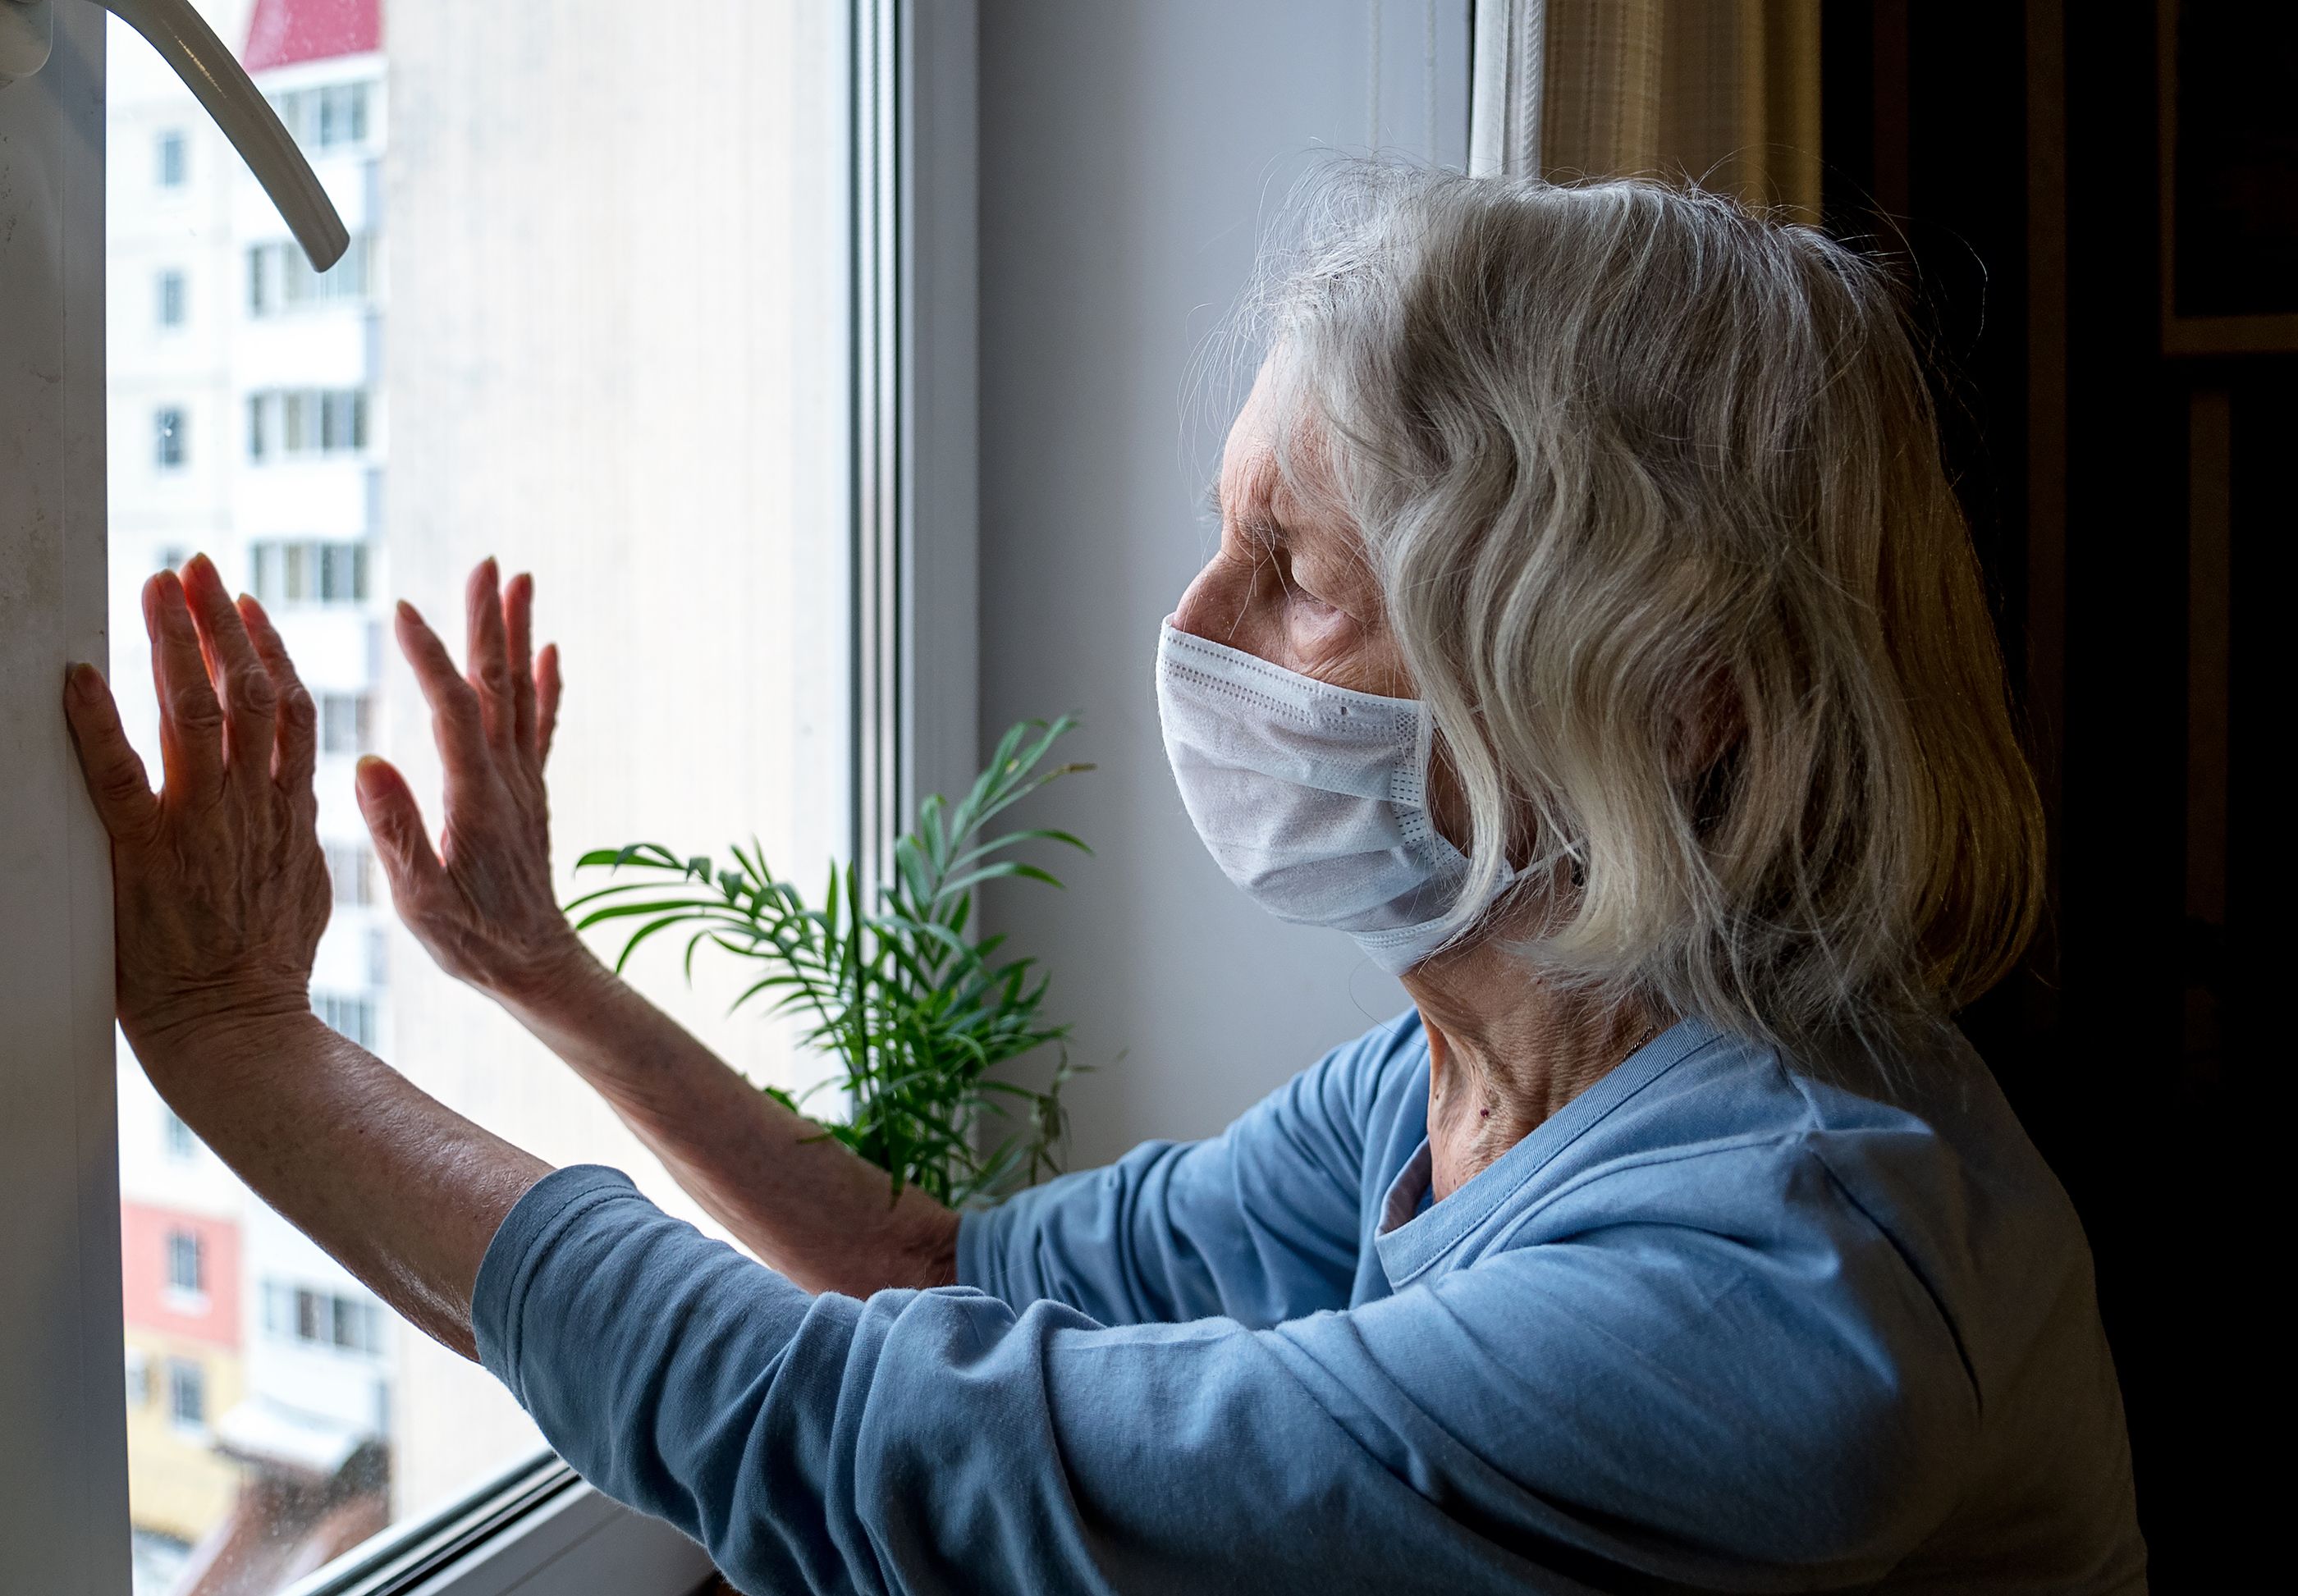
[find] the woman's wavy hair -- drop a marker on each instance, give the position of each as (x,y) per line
(1654,488)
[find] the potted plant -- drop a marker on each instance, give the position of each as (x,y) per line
(895,983)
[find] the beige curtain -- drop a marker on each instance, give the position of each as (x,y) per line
(1724,92)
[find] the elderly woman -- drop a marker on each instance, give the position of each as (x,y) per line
(1594,638)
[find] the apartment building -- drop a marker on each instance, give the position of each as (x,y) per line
(247,422)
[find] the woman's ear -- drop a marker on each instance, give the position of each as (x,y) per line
(1448,809)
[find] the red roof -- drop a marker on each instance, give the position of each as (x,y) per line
(284,32)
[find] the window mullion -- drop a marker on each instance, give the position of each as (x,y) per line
(63,1477)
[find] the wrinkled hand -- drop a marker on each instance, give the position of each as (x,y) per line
(482,904)
(220,886)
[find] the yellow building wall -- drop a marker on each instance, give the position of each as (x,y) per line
(177,1484)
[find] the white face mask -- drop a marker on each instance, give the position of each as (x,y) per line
(1313,799)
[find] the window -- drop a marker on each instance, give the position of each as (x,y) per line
(350,1013)
(185,1263)
(346,723)
(168,428)
(139,1380)
(175,1137)
(326,118)
(308,571)
(170,161)
(674,466)
(280,278)
(170,292)
(306,421)
(353,869)
(318,1318)
(187,1394)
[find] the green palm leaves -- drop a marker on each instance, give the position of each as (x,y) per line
(915,1005)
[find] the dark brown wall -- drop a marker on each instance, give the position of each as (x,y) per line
(2012,156)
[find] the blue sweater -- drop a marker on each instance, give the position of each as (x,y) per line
(1716,1326)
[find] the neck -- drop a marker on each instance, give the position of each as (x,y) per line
(1506,1051)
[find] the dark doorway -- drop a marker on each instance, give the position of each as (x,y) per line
(2131,507)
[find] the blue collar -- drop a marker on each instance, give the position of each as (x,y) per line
(1414,1236)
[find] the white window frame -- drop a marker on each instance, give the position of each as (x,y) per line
(540,1530)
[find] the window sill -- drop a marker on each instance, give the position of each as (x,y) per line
(539,1531)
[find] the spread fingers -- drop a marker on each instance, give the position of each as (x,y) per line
(297,749)
(547,685)
(116,782)
(191,719)
(454,705)
(488,655)
(250,704)
(518,631)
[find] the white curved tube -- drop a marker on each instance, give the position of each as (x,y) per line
(187,43)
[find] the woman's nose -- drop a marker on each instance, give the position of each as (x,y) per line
(1214,603)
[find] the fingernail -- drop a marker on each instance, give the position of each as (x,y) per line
(202,563)
(82,680)
(407,612)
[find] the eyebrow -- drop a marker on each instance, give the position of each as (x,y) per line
(1261,524)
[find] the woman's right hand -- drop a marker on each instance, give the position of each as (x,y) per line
(482,904)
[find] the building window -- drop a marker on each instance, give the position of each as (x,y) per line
(309,571)
(322,1319)
(171,299)
(187,1394)
(139,1380)
(346,723)
(167,430)
(280,278)
(177,1137)
(172,159)
(353,869)
(186,1267)
(289,422)
(351,1016)
(326,118)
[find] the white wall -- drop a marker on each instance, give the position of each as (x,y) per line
(1129,153)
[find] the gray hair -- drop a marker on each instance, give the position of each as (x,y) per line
(1654,489)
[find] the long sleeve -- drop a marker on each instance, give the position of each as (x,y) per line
(1260,1224)
(1550,1420)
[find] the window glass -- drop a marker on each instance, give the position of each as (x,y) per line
(184,1273)
(604,342)
(167,430)
(351,868)
(280,278)
(188,1393)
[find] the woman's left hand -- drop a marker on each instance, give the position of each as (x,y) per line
(220,886)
